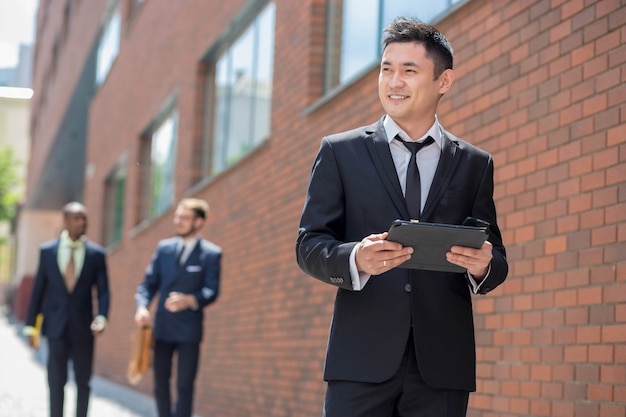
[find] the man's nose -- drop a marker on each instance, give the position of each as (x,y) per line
(395,80)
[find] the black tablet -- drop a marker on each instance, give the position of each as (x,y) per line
(431,241)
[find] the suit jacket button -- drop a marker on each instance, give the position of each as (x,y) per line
(407,288)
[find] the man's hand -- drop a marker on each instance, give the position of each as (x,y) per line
(98,324)
(177,301)
(31,341)
(375,255)
(142,317)
(476,261)
(32,336)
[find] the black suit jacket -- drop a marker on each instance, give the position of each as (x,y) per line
(61,309)
(199,275)
(354,191)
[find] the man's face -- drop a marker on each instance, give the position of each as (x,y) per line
(186,223)
(406,85)
(76,223)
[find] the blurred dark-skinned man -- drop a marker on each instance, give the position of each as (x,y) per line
(70,269)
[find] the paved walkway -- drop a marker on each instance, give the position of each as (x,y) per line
(24,391)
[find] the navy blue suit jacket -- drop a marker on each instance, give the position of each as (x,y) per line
(199,275)
(354,191)
(61,309)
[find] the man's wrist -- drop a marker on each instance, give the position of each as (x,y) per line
(192,303)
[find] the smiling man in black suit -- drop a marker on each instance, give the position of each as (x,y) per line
(402,340)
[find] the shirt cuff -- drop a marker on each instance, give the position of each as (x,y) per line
(476,285)
(359,279)
(29,331)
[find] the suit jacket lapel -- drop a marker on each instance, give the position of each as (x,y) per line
(381,156)
(447,164)
(55,259)
(194,252)
(86,259)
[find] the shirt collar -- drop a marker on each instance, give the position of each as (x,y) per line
(192,241)
(66,241)
(392,129)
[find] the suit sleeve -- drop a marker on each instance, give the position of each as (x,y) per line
(210,288)
(102,285)
(320,249)
(38,292)
(484,208)
(150,285)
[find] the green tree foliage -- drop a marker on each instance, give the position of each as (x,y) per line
(8,184)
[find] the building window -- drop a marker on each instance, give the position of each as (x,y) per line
(114,192)
(158,162)
(355,29)
(109,45)
(239,93)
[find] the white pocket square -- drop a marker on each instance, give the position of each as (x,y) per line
(193,268)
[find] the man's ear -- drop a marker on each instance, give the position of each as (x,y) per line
(198,222)
(445,81)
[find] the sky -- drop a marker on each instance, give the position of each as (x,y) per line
(17,26)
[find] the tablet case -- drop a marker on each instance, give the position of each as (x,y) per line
(431,241)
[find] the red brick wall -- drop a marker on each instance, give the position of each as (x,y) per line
(540,84)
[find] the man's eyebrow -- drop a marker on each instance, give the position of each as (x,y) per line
(404,64)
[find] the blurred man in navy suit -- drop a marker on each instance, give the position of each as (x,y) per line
(70,268)
(185,271)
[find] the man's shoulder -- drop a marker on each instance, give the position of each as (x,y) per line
(465,145)
(94,246)
(49,245)
(208,246)
(357,133)
(170,241)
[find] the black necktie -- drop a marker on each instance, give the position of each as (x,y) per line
(179,255)
(413,192)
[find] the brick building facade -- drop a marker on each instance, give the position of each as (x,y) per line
(541,84)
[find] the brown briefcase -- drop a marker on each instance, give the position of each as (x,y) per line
(141,355)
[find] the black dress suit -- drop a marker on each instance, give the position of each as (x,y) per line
(354,191)
(67,319)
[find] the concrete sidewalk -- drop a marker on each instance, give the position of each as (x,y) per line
(24,390)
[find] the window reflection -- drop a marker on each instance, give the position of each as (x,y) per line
(243,92)
(163,163)
(109,46)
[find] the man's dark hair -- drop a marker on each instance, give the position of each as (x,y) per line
(438,49)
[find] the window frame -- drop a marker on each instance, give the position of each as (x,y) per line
(249,19)
(146,209)
(113,220)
